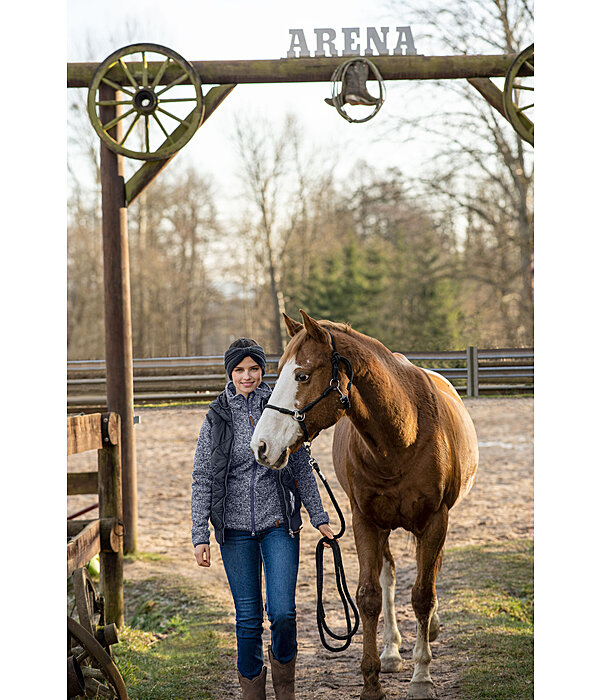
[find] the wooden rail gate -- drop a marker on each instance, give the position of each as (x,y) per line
(120,87)
(102,535)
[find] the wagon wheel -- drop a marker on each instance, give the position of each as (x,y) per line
(90,609)
(102,677)
(151,94)
(518,95)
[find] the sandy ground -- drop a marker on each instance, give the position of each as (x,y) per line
(499,507)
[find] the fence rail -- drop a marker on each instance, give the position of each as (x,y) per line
(472,371)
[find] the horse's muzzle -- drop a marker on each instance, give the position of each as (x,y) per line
(261,457)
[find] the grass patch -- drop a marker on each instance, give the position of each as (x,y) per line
(143,556)
(174,645)
(486,597)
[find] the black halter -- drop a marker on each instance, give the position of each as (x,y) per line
(334,385)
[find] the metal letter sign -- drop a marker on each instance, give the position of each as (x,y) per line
(325,38)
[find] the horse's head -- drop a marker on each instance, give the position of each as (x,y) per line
(308,395)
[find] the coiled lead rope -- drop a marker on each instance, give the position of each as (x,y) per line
(340,576)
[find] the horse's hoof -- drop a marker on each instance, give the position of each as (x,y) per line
(392,664)
(377,694)
(434,628)
(422,690)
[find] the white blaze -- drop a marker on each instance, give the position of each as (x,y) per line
(278,430)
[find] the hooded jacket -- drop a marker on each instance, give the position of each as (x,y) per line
(231,489)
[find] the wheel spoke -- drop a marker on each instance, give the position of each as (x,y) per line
(127,72)
(178,99)
(522,109)
(161,72)
(112,103)
(144,70)
(116,120)
(133,123)
(164,111)
(177,81)
(116,86)
(147,130)
(80,658)
(169,139)
(523,87)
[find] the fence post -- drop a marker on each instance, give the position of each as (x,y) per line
(472,371)
(110,502)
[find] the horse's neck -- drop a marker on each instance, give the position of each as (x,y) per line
(384,408)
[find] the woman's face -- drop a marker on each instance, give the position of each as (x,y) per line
(246,376)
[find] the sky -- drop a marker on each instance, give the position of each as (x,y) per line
(237,30)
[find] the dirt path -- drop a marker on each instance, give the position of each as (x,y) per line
(499,507)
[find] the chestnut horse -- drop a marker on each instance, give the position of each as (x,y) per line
(404,450)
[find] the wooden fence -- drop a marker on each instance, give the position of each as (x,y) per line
(167,379)
(102,535)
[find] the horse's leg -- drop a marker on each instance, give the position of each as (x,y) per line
(369,548)
(424,601)
(390,657)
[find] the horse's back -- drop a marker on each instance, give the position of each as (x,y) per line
(458,427)
(455,430)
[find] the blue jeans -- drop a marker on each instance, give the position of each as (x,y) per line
(244,558)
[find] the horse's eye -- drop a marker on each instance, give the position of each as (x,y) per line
(302,377)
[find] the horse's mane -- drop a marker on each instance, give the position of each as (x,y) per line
(334,326)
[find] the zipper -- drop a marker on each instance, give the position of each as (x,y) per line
(252,498)
(254,467)
(227,472)
(285,505)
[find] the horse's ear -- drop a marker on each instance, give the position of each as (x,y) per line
(292,326)
(313,328)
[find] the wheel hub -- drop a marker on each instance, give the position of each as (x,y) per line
(145,101)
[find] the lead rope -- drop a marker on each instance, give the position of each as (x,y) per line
(340,576)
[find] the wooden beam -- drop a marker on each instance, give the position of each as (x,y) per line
(83,547)
(110,499)
(117,309)
(144,176)
(82,483)
(111,531)
(490,92)
(493,95)
(310,70)
(85,432)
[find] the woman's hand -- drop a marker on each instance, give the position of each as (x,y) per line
(326,531)
(202,554)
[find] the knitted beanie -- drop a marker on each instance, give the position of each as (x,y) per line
(241,348)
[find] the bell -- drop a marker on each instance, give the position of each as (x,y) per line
(354,87)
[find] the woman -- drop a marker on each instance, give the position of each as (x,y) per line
(255,512)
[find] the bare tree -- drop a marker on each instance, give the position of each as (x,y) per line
(279,178)
(481,167)
(171,231)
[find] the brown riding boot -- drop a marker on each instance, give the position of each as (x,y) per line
(254,689)
(283,677)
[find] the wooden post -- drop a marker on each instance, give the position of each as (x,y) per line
(472,372)
(111,506)
(117,313)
